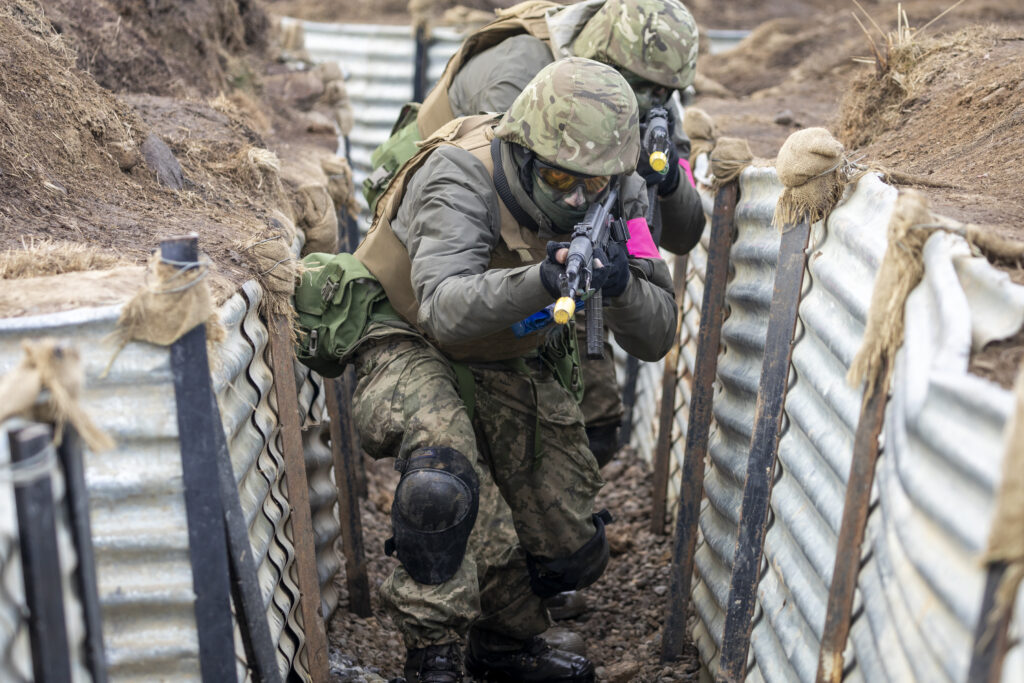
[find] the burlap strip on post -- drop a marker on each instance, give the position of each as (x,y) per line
(812,168)
(174,300)
(901,270)
(56,369)
(728,159)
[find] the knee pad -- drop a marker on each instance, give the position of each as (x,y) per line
(604,442)
(435,507)
(579,570)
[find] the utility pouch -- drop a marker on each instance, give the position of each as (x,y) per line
(392,154)
(337,297)
(561,354)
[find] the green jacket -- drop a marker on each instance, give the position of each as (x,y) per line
(449,221)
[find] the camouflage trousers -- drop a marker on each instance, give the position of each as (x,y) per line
(407,398)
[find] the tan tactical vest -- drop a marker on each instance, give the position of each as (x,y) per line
(526,17)
(387,258)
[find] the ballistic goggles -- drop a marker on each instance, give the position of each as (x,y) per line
(564,181)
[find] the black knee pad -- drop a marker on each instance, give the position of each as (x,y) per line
(604,442)
(435,508)
(579,570)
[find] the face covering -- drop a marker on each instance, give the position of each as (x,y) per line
(554,204)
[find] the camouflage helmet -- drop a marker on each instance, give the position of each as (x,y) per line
(579,115)
(655,39)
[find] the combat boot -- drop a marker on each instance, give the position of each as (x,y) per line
(536,662)
(434,664)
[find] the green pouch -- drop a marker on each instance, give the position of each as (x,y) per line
(392,153)
(337,297)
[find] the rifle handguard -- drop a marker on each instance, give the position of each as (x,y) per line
(565,309)
(659,162)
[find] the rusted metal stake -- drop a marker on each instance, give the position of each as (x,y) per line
(669,381)
(764,444)
(990,639)
(197,435)
(851,532)
(298,497)
(40,559)
(691,485)
(348,504)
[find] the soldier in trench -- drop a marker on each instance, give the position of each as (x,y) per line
(465,245)
(653,44)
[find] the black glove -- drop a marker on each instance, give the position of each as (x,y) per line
(613,276)
(551,271)
(667,183)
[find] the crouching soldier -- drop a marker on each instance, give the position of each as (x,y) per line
(467,243)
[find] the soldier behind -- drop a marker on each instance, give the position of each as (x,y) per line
(466,244)
(652,43)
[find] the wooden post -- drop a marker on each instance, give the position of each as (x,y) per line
(990,639)
(666,415)
(691,485)
(298,497)
(764,444)
(348,503)
(851,532)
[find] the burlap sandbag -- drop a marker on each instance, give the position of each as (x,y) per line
(901,269)
(275,268)
(58,370)
(340,184)
(173,301)
(1006,537)
(728,159)
(811,166)
(314,209)
(700,128)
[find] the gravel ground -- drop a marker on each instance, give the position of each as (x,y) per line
(622,628)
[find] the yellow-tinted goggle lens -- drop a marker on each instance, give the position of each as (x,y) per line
(563,181)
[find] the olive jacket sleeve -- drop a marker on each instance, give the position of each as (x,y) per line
(682,218)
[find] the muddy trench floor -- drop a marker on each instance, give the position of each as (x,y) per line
(622,627)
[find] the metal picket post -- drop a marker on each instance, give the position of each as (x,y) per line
(691,484)
(764,444)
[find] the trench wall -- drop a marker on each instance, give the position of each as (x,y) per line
(921,579)
(137,506)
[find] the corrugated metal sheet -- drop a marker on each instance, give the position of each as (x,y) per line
(137,509)
(920,587)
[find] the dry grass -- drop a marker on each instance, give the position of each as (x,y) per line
(37,258)
(875,102)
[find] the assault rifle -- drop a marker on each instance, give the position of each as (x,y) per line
(654,146)
(596,229)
